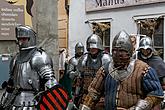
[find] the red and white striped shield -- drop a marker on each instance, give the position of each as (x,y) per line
(55,98)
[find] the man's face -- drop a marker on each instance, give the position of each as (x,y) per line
(146,52)
(93,51)
(79,54)
(120,57)
(23,41)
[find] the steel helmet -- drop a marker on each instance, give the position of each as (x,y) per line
(94,41)
(26,32)
(79,48)
(122,40)
(146,43)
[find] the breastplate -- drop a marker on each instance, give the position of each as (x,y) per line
(88,75)
(28,80)
(25,77)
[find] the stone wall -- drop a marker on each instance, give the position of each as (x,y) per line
(47,28)
(8,47)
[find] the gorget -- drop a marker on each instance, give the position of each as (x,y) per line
(25,55)
(120,75)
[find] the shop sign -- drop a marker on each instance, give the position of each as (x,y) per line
(94,5)
(10,16)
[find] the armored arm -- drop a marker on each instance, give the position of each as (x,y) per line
(106,58)
(153,90)
(72,69)
(94,90)
(9,84)
(43,64)
(10,92)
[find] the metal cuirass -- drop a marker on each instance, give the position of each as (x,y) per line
(88,67)
(27,79)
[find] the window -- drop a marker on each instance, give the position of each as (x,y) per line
(103,30)
(154,29)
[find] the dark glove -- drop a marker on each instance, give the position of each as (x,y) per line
(4,85)
(8,86)
(1,107)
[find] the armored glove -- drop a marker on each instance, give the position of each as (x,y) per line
(71,106)
(143,105)
(73,75)
(163,102)
(84,107)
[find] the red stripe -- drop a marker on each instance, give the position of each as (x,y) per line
(48,104)
(54,101)
(64,93)
(59,97)
(42,107)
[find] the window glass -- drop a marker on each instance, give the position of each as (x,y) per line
(103,30)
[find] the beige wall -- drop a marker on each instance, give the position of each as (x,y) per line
(62,25)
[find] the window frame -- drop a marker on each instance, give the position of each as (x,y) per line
(108,20)
(141,17)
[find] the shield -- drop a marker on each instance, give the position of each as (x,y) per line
(55,98)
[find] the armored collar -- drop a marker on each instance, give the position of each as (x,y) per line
(120,75)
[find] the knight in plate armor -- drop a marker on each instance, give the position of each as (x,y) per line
(89,64)
(74,87)
(31,72)
(73,62)
(128,84)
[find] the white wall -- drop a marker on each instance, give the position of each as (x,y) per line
(122,18)
(78,29)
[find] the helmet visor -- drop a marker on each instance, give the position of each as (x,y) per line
(22,33)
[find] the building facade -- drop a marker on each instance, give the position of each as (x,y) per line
(139,17)
(63,23)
